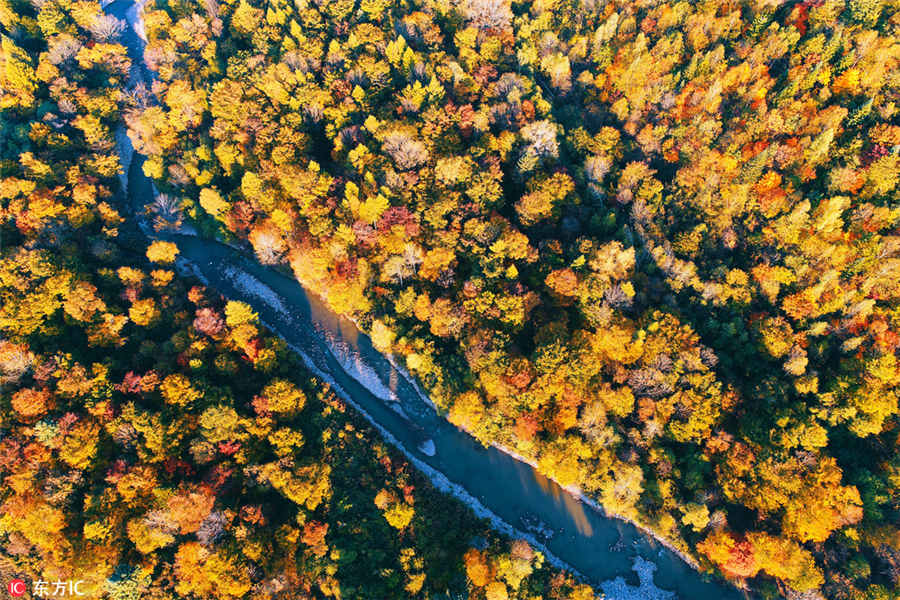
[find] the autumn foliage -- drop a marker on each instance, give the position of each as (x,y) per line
(651,246)
(155,440)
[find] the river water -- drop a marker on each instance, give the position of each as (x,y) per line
(611,554)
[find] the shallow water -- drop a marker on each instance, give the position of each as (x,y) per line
(520,500)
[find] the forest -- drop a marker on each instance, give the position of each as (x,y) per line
(156,442)
(651,246)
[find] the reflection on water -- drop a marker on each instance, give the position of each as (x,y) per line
(338,326)
(393,379)
(572,506)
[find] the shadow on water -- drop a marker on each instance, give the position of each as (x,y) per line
(605,550)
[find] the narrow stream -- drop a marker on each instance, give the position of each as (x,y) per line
(613,555)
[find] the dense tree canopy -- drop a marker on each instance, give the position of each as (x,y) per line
(155,441)
(651,245)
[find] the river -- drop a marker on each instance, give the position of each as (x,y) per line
(611,554)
